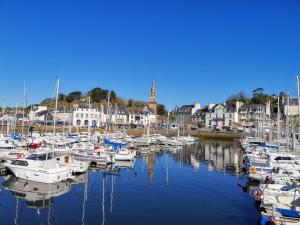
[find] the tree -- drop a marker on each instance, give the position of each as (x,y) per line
(46,101)
(70,98)
(113,96)
(120,102)
(73,96)
(97,94)
(161,110)
(130,103)
(257,91)
(259,97)
(241,96)
(61,97)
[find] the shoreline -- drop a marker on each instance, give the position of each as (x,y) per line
(201,134)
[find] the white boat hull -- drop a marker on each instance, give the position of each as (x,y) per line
(41,175)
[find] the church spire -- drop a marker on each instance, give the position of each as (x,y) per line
(153,98)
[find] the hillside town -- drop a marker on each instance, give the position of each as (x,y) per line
(232,115)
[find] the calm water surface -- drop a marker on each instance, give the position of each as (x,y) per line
(196,185)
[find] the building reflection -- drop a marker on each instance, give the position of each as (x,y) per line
(219,155)
(151,164)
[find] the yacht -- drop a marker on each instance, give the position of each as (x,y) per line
(68,159)
(41,167)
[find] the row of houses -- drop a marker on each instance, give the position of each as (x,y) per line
(221,115)
(95,117)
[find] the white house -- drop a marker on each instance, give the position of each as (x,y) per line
(142,117)
(250,115)
(291,109)
(84,117)
(219,116)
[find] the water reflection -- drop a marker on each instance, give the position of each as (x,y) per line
(36,195)
(219,155)
(128,192)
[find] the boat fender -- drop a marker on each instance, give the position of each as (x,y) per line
(252,170)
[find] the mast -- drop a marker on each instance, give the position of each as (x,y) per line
(3,111)
(287,132)
(270,126)
(56,103)
(89,127)
(298,93)
(15,125)
(24,106)
(107,114)
(70,128)
(168,122)
(278,123)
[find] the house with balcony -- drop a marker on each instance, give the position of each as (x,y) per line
(220,116)
(250,115)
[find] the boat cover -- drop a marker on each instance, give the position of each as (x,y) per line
(289,213)
(16,136)
(115,145)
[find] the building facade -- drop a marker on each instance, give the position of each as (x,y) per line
(142,117)
(84,117)
(185,112)
(220,116)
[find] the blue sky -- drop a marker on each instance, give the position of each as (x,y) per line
(195,50)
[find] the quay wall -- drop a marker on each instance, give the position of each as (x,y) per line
(206,134)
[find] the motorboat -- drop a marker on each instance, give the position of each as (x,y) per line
(70,161)
(41,167)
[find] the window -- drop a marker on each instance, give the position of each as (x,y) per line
(78,122)
(86,123)
(19,163)
(40,157)
(283,158)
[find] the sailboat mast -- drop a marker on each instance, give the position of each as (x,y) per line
(107,113)
(278,123)
(287,135)
(298,93)
(270,125)
(3,111)
(89,127)
(168,122)
(15,125)
(24,106)
(56,103)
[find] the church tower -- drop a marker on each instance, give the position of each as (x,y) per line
(153,99)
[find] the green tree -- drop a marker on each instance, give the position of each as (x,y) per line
(241,96)
(70,98)
(130,103)
(97,94)
(258,96)
(113,96)
(257,91)
(61,97)
(161,110)
(46,101)
(73,96)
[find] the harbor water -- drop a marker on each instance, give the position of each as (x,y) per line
(197,184)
